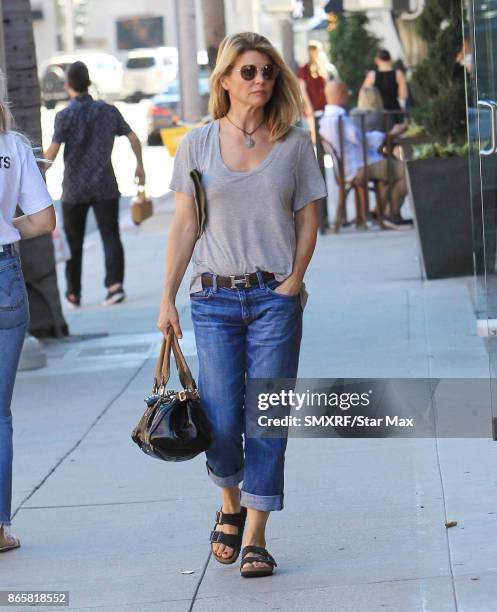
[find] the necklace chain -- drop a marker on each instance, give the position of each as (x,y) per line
(249,141)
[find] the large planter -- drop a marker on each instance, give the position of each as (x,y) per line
(439,190)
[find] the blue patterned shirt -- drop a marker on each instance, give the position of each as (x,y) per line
(88,128)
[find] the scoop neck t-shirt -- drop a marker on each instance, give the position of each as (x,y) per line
(250,215)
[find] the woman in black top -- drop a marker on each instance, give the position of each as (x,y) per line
(391,83)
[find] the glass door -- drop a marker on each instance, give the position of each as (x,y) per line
(481,64)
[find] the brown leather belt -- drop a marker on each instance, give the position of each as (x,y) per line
(237,282)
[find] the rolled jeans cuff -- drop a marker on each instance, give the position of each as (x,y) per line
(225,481)
(265,503)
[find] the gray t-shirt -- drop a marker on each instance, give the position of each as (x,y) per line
(250,223)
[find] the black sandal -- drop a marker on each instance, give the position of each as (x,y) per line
(264,557)
(229,539)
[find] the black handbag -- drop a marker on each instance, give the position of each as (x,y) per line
(173,427)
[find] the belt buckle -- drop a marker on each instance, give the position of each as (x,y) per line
(235,282)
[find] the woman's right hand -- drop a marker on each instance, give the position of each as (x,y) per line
(168,317)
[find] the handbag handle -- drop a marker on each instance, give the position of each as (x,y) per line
(163,367)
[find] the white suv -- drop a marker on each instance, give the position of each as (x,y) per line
(148,71)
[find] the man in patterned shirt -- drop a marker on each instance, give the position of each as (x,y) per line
(88,128)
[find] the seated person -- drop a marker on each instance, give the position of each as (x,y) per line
(369,105)
(337,97)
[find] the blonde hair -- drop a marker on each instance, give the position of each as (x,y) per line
(320,66)
(5,114)
(286,103)
(370,99)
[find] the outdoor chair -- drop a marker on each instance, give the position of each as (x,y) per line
(346,186)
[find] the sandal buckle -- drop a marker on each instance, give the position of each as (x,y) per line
(215,535)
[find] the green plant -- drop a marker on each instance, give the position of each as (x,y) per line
(438,81)
(435,149)
(352,49)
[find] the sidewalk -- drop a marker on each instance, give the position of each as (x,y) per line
(363,528)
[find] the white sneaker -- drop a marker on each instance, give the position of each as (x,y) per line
(8,541)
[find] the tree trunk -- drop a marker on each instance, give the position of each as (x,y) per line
(188,67)
(214,27)
(37,255)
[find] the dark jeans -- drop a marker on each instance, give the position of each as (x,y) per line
(107,216)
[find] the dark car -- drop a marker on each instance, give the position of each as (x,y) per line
(165,109)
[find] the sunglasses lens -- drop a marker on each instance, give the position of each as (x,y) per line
(268,72)
(248,72)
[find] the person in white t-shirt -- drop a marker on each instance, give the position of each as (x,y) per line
(21,184)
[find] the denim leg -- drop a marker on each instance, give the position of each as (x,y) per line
(13,324)
(273,346)
(220,339)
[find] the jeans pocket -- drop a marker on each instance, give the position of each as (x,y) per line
(272,285)
(13,301)
(203,294)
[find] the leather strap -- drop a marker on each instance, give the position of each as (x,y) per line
(230,539)
(237,519)
(264,558)
(237,282)
(163,367)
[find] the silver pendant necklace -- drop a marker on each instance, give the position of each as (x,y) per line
(249,141)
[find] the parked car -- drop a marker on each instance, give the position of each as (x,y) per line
(164,110)
(148,71)
(106,74)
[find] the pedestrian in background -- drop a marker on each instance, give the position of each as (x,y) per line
(88,128)
(21,184)
(391,83)
(262,185)
(313,77)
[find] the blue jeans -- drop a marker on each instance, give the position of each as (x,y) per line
(253,333)
(14,317)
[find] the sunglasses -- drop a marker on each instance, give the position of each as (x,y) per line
(268,72)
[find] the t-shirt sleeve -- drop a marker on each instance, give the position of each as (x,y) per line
(33,193)
(310,184)
(302,73)
(183,164)
(59,134)
(122,127)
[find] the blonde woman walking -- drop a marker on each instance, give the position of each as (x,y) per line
(21,184)
(262,184)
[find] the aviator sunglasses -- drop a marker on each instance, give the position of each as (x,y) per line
(268,72)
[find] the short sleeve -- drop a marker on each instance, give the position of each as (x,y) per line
(59,134)
(183,164)
(33,193)
(310,184)
(302,73)
(122,127)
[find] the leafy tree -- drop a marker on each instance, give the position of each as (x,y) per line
(438,81)
(352,49)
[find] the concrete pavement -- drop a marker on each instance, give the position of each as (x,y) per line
(363,529)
